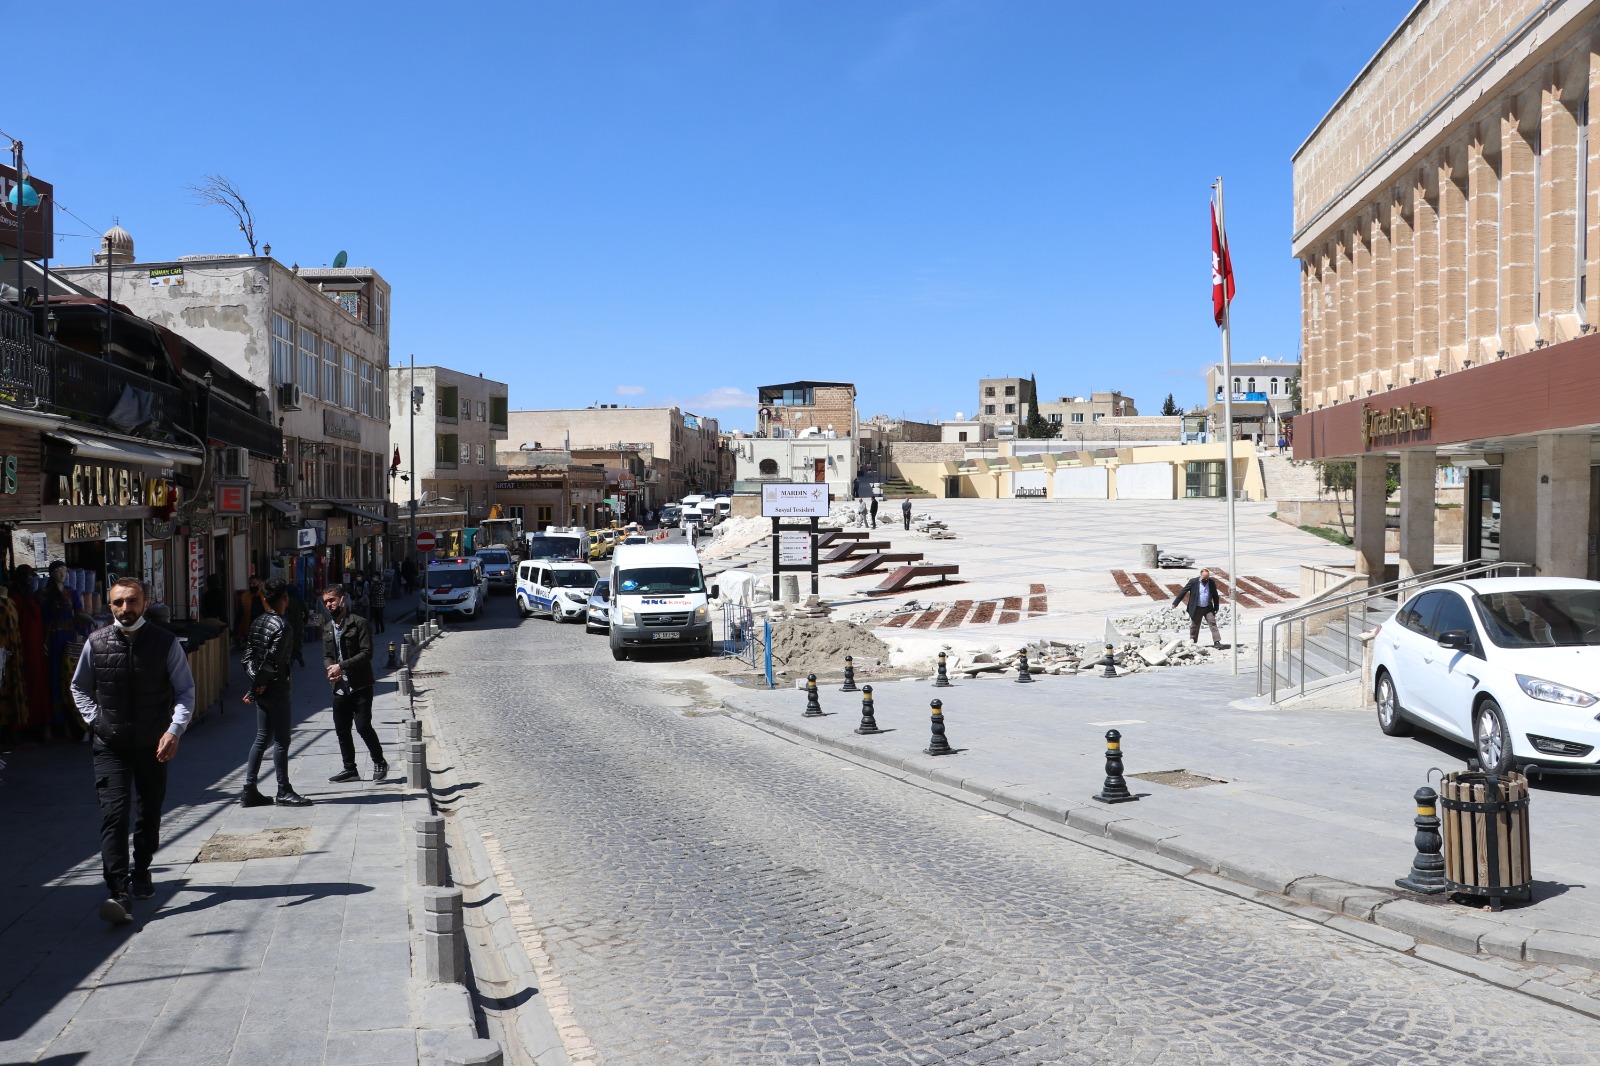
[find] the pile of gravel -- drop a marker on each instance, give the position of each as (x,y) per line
(818,645)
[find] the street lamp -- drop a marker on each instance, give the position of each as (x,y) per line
(23,196)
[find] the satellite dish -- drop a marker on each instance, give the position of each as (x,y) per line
(960,417)
(340,260)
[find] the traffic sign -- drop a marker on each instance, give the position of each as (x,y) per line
(785,499)
(426,541)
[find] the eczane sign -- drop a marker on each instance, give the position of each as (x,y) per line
(786,499)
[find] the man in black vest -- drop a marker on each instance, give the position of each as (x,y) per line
(347,656)
(134,690)
(1201,592)
(267,649)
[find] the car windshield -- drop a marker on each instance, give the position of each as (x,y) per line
(660,580)
(574,579)
(454,578)
(553,548)
(602,589)
(1542,618)
(501,558)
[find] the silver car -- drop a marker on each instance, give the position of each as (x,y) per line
(497,568)
(599,618)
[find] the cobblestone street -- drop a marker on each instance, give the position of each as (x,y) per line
(711,894)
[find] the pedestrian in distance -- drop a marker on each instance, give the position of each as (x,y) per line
(873,511)
(133,687)
(1283,443)
(295,617)
(905,512)
(1201,592)
(379,593)
(408,573)
(347,656)
(271,689)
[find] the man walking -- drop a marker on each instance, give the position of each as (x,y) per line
(380,603)
(1201,592)
(266,668)
(134,690)
(873,511)
(347,655)
(861,513)
(905,512)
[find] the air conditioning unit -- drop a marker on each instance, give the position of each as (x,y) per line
(283,475)
(289,397)
(236,462)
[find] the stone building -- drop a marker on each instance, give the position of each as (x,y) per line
(458,419)
(1261,397)
(684,446)
(1071,411)
(1447,225)
(790,409)
(1004,401)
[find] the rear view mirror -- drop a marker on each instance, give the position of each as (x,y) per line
(1455,639)
(716,592)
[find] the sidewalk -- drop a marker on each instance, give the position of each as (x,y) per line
(1314,804)
(300,955)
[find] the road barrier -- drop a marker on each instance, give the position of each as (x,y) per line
(1115,789)
(1023,677)
(428,854)
(1109,662)
(463,1050)
(444,942)
(941,679)
(849,675)
(937,743)
(869,721)
(1427,869)
(813,705)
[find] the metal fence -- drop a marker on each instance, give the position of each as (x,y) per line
(741,638)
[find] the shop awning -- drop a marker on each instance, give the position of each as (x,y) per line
(283,507)
(370,516)
(428,516)
(121,451)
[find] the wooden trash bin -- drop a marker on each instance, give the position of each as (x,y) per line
(1485,831)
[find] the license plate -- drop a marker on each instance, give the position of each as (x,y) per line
(664,636)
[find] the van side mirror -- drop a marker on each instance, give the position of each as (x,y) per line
(716,592)
(1455,640)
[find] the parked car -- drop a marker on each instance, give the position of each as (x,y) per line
(599,617)
(457,586)
(497,567)
(659,599)
(559,591)
(1510,666)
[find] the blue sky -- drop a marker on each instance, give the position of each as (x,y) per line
(644,202)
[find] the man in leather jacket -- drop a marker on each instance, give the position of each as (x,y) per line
(267,649)
(347,657)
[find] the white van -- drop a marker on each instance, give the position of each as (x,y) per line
(724,508)
(457,586)
(658,598)
(558,590)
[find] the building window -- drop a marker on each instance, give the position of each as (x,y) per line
(1098,415)
(546,515)
(482,455)
(1055,419)
(366,388)
(380,397)
(1236,384)
(282,350)
(483,411)
(366,476)
(769,467)
(352,485)
(330,472)
(381,296)
(988,408)
(330,372)
(961,436)
(444,450)
(308,362)
(1250,385)
(497,411)
(1077,416)
(1272,386)
(514,511)
(466,410)
(1011,408)
(349,397)
(1011,390)
(988,390)
(466,455)
(447,402)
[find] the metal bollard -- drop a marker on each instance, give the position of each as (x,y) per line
(1115,789)
(417,765)
(394,655)
(1110,663)
(813,705)
(428,855)
(869,722)
(1427,869)
(463,1050)
(1023,677)
(937,744)
(941,679)
(444,943)
(849,675)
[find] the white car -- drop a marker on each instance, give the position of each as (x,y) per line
(560,591)
(457,586)
(1510,666)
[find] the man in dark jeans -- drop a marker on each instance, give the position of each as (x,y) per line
(134,690)
(905,511)
(347,654)
(267,649)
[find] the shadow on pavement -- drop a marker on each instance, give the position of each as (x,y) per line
(304,894)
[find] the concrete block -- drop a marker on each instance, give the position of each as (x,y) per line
(1484,970)
(1564,997)
(1375,934)
(1363,901)
(1259,873)
(1139,833)
(1196,851)
(1094,820)
(1506,942)
(1325,892)
(1563,949)
(472,1051)
(1436,925)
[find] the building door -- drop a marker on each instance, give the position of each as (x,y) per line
(820,468)
(952,488)
(1483,514)
(1203,480)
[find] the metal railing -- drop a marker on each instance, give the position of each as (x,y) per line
(741,639)
(92,387)
(1282,638)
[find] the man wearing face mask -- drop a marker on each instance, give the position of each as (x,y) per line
(134,690)
(347,655)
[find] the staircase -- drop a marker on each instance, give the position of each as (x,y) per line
(1335,652)
(1286,479)
(898,488)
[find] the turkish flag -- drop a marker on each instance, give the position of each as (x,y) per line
(394,464)
(1221,270)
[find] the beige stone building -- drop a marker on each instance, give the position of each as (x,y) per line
(1071,411)
(458,420)
(1447,224)
(684,446)
(791,409)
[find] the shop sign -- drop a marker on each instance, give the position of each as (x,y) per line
(794,547)
(109,485)
(1029,494)
(197,568)
(164,276)
(81,531)
(233,498)
(338,424)
(8,475)
(1381,424)
(505,486)
(157,528)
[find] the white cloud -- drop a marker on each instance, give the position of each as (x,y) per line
(725,398)
(630,390)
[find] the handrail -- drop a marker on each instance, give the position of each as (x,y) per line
(1321,605)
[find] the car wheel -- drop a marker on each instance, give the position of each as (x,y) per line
(1390,720)
(619,654)
(1493,738)
(522,608)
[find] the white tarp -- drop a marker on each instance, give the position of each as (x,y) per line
(1145,481)
(1081,483)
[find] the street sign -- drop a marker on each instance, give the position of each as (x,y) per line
(426,541)
(794,547)
(789,499)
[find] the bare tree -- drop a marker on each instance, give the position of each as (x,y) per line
(218,190)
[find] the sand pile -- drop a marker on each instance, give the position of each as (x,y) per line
(734,535)
(814,646)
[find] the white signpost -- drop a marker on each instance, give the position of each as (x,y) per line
(789,499)
(794,547)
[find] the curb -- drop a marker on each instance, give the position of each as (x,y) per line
(1467,943)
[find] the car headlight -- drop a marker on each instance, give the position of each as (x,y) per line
(702,612)
(627,616)
(577,597)
(1550,692)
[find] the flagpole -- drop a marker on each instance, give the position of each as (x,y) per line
(1227,452)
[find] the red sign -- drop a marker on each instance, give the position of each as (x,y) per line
(233,497)
(426,541)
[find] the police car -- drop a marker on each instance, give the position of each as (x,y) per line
(557,590)
(457,586)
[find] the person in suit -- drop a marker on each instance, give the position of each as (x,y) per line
(1201,592)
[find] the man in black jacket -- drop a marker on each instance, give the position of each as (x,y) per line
(1201,592)
(267,649)
(347,655)
(133,687)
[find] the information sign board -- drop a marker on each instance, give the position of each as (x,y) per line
(791,499)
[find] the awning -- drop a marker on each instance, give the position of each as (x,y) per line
(283,507)
(121,451)
(370,516)
(428,516)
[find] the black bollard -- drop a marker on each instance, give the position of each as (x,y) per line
(849,675)
(394,655)
(1023,677)
(1427,869)
(941,679)
(1115,790)
(1110,664)
(813,705)
(869,723)
(937,744)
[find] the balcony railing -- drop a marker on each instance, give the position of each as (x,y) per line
(24,366)
(235,426)
(99,389)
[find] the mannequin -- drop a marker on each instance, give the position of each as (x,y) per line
(64,622)
(30,660)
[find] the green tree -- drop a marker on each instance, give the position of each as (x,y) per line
(1169,406)
(1036,426)
(1294,392)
